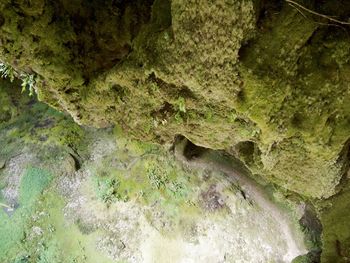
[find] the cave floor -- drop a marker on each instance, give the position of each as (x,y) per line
(75,194)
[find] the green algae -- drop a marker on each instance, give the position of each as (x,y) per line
(54,245)
(57,246)
(33,182)
(13,229)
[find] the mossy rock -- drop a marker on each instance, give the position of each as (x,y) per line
(246,72)
(335,217)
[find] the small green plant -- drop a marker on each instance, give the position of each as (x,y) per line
(178,189)
(156,176)
(232,116)
(154,87)
(181,104)
(178,118)
(181,110)
(28,80)
(209,115)
(7,71)
(107,190)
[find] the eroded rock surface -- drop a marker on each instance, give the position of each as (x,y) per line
(91,195)
(262,80)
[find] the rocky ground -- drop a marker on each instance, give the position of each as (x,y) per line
(75,194)
(264,82)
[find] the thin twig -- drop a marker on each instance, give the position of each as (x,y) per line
(316,22)
(301,12)
(6,206)
(317,14)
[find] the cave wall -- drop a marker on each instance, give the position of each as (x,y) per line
(259,79)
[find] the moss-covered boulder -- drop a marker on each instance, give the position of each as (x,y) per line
(263,80)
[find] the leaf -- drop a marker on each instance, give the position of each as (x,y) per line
(181,104)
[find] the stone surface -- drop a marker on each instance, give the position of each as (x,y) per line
(52,138)
(260,80)
(127,201)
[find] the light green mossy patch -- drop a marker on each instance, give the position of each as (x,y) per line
(150,179)
(33,182)
(148,175)
(57,242)
(13,229)
(64,242)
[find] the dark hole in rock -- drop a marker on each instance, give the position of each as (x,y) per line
(297,120)
(70,91)
(161,14)
(192,151)
(171,89)
(77,164)
(164,112)
(240,95)
(247,151)
(120,91)
(245,148)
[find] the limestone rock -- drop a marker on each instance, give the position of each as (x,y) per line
(254,78)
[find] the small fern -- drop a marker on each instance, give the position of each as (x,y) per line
(28,80)
(7,71)
(181,103)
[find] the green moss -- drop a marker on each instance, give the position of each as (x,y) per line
(12,101)
(107,190)
(33,122)
(50,253)
(147,174)
(67,133)
(55,246)
(33,182)
(13,229)
(302,259)
(7,110)
(335,218)
(169,68)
